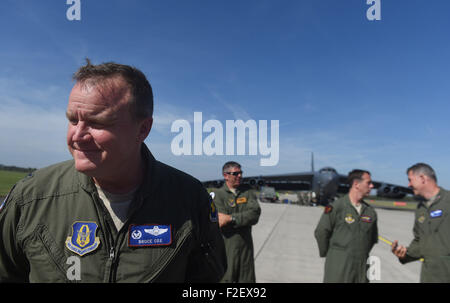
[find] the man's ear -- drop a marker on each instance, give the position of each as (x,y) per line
(144,128)
(423,178)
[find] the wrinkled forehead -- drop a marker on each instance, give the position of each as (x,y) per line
(93,97)
(109,91)
(101,100)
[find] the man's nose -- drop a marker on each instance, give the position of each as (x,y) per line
(81,132)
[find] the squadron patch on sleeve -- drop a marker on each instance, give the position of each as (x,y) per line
(83,239)
(3,203)
(213,214)
(328,209)
(6,199)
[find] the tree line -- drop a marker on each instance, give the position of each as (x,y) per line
(16,168)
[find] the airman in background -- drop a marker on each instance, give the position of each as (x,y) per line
(347,231)
(431,227)
(238,210)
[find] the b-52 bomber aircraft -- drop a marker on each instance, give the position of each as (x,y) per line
(323,185)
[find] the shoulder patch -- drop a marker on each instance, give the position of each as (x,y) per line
(6,199)
(213,214)
(328,209)
(83,239)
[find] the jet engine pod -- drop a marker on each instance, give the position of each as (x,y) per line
(256,182)
(388,191)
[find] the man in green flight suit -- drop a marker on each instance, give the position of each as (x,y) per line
(238,210)
(347,231)
(113,213)
(431,227)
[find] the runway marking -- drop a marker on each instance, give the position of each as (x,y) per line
(385,240)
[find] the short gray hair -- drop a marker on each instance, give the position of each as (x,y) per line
(423,168)
(230,164)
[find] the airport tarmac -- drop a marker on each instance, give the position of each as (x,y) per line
(286,250)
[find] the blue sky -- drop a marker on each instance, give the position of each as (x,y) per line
(357,93)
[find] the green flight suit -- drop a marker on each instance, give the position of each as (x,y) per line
(432,239)
(345,238)
(245,210)
(55,217)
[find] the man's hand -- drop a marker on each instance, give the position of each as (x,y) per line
(224,219)
(398,250)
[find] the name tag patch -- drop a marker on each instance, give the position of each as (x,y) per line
(436,213)
(241,200)
(149,235)
(366,219)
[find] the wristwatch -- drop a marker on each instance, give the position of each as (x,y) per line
(233,220)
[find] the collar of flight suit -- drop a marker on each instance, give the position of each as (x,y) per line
(227,189)
(441,195)
(364,205)
(146,188)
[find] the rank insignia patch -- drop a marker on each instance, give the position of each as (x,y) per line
(149,235)
(83,239)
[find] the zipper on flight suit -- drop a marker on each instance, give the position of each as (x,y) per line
(114,243)
(102,213)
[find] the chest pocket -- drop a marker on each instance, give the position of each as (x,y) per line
(436,218)
(343,231)
(366,223)
(47,259)
(147,263)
